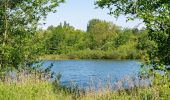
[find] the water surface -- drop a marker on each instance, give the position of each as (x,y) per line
(83,72)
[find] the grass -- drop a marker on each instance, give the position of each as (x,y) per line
(33,88)
(53,57)
(145,93)
(30,87)
(93,54)
(27,91)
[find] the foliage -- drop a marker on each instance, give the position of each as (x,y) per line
(63,39)
(30,87)
(156,16)
(18,24)
(33,88)
(103,40)
(99,31)
(27,91)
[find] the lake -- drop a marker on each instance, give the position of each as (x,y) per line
(85,72)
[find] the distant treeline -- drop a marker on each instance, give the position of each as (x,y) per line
(102,40)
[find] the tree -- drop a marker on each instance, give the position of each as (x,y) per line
(100,30)
(64,39)
(154,13)
(156,16)
(123,37)
(18,23)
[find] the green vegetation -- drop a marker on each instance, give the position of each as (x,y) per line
(31,87)
(27,91)
(154,13)
(156,16)
(103,40)
(19,19)
(21,44)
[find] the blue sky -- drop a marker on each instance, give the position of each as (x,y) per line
(79,12)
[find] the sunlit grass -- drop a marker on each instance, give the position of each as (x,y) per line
(29,87)
(95,54)
(33,88)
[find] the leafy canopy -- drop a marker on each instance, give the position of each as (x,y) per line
(156,16)
(18,22)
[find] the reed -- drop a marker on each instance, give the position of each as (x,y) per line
(32,87)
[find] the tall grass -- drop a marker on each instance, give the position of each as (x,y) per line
(27,91)
(33,88)
(26,86)
(100,54)
(131,94)
(136,90)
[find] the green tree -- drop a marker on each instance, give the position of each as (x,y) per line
(156,16)
(64,39)
(18,23)
(99,31)
(53,38)
(154,13)
(123,37)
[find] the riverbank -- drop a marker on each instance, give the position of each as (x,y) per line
(92,54)
(34,89)
(53,57)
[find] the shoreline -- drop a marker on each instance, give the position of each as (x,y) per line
(66,57)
